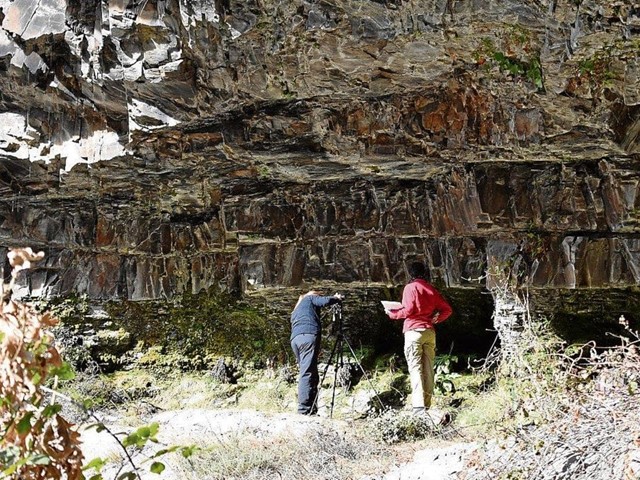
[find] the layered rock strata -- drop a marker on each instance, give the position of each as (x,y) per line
(159,148)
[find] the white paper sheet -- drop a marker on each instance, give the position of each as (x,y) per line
(390,305)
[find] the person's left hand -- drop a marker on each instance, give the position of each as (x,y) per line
(339,296)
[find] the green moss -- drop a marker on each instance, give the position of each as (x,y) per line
(195,329)
(70,310)
(264,172)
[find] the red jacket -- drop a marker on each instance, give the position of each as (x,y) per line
(420,302)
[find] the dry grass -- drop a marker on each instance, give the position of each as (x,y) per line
(321,453)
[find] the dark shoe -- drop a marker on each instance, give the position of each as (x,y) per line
(308,412)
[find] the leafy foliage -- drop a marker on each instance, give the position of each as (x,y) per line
(36,442)
(444,373)
(516,55)
(136,440)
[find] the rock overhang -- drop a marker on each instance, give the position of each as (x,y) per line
(319,144)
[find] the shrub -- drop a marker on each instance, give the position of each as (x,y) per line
(397,426)
(36,442)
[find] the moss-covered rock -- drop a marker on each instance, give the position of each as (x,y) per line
(203,326)
(189,332)
(194,330)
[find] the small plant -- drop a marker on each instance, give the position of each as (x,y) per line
(444,375)
(516,55)
(394,426)
(597,69)
(264,171)
(135,440)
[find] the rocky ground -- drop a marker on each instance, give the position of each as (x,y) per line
(218,427)
(551,414)
(522,455)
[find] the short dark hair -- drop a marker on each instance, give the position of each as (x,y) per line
(417,270)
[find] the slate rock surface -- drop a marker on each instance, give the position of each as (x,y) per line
(169,146)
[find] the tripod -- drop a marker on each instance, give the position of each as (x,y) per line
(337,358)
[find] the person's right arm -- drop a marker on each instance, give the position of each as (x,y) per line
(319,301)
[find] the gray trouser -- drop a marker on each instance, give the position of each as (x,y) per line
(306,348)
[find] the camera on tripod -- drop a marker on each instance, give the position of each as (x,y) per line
(337,325)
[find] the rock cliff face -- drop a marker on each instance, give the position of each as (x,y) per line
(162,147)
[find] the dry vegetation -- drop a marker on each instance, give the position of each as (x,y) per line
(36,442)
(568,414)
(322,453)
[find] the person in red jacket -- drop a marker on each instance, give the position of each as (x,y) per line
(422,308)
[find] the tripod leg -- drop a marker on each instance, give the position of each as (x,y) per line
(339,364)
(324,375)
(353,353)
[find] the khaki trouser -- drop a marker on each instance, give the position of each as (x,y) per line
(420,352)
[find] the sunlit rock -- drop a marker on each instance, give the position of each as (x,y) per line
(29,19)
(170,147)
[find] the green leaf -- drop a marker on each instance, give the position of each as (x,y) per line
(131,439)
(148,431)
(51,410)
(153,429)
(97,463)
(63,372)
(188,451)
(127,476)
(39,459)
(24,425)
(97,476)
(157,467)
(13,468)
(164,451)
(9,455)
(142,435)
